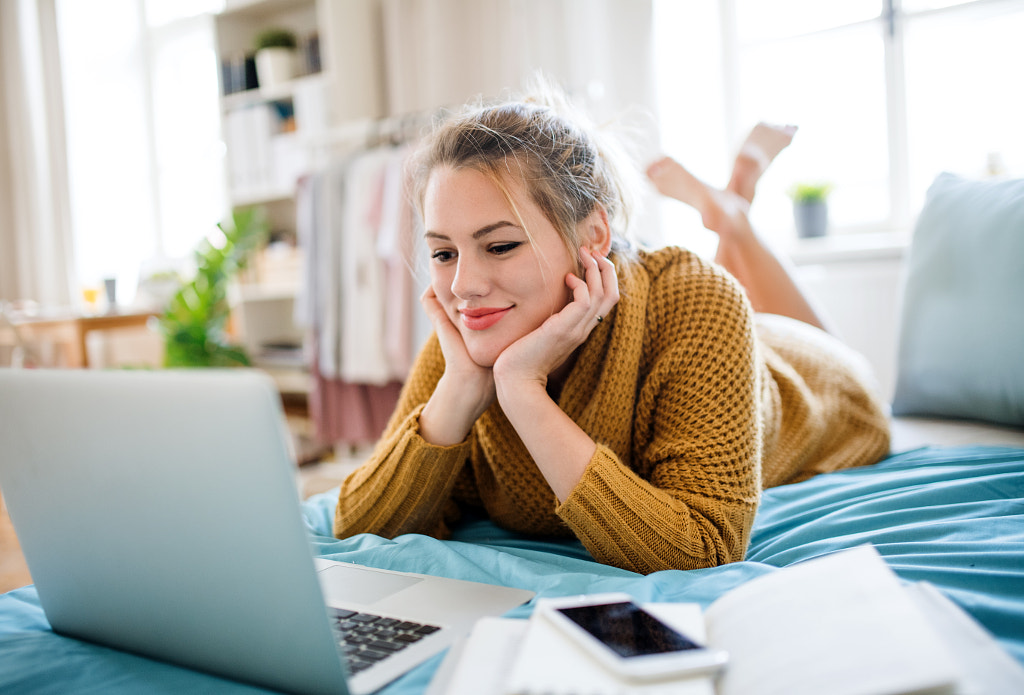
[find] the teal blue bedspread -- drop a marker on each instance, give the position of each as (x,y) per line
(951,516)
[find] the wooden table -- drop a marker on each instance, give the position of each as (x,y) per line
(71,332)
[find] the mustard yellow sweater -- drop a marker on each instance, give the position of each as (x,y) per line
(695,407)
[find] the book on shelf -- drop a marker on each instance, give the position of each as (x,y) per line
(265,154)
(238,73)
(281,353)
(842,624)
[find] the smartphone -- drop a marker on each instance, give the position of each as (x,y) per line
(628,640)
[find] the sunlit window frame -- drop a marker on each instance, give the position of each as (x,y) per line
(892,22)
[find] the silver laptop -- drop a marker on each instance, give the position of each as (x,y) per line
(158,514)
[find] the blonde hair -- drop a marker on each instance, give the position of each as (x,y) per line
(563,163)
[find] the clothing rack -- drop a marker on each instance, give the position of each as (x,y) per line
(359,297)
(377,132)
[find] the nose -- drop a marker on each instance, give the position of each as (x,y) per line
(471,278)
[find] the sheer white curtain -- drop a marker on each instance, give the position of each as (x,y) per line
(35,232)
(443,53)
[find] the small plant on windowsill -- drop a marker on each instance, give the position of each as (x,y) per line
(194,323)
(810,207)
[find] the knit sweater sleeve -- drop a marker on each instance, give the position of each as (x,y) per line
(406,484)
(687,497)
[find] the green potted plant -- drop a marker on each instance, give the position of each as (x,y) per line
(810,208)
(275,56)
(194,324)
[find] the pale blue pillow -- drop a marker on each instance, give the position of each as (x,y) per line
(961,350)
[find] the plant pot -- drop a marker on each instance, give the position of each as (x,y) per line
(811,218)
(274,66)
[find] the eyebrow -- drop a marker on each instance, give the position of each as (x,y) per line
(483,231)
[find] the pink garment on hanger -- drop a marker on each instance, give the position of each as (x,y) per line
(347,413)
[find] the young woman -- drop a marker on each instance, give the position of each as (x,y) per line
(577,386)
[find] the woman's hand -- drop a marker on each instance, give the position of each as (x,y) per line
(535,356)
(465,390)
(559,447)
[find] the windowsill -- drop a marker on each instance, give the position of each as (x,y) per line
(843,248)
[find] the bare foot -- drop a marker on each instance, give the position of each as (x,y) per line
(724,212)
(762,145)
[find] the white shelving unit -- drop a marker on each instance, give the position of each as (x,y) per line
(262,125)
(272,134)
(271,127)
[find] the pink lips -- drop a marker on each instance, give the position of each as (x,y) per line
(481,319)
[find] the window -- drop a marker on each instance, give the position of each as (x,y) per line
(145,159)
(887,94)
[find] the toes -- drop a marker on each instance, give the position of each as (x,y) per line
(658,167)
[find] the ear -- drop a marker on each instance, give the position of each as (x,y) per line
(596,232)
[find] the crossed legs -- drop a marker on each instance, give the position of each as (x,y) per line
(768,281)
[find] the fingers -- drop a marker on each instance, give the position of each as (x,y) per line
(540,352)
(446,331)
(600,291)
(609,284)
(435,312)
(431,305)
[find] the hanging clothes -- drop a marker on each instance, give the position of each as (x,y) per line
(358,295)
(345,413)
(363,359)
(395,243)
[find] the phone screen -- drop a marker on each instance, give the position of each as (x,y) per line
(628,629)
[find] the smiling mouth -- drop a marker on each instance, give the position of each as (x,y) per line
(482,319)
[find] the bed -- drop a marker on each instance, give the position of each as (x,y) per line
(951,515)
(947,506)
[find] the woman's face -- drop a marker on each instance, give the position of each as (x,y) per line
(493,283)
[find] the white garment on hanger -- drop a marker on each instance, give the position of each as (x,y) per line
(363,353)
(328,282)
(393,244)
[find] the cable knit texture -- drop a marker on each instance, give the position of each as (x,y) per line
(695,405)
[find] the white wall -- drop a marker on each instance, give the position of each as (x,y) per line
(859,285)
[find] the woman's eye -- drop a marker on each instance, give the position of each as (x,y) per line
(442,256)
(499,249)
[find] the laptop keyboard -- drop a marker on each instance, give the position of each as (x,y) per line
(366,638)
